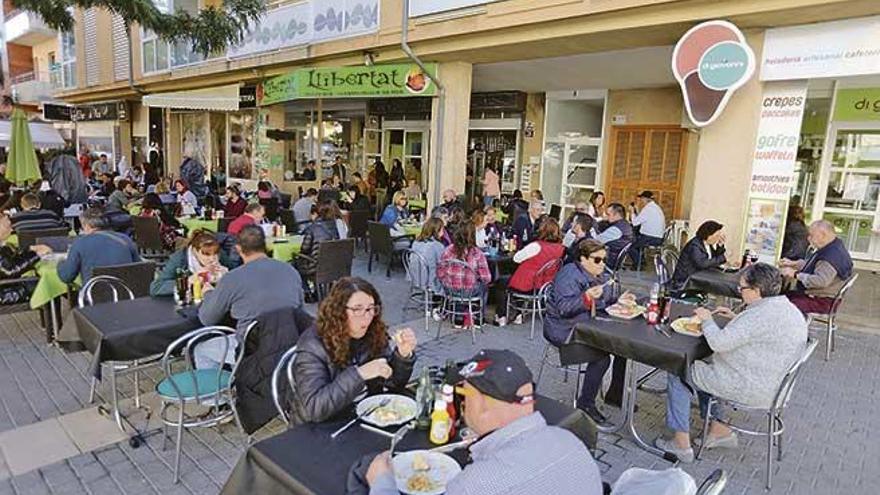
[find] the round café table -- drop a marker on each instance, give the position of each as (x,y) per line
(50,285)
(287,249)
(192,224)
(412,229)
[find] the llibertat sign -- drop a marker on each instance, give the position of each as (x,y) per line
(382,81)
(827,49)
(773,165)
(710,62)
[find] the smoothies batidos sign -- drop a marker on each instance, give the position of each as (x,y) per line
(710,62)
(349,82)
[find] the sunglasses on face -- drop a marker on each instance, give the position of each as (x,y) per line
(597,259)
(363,310)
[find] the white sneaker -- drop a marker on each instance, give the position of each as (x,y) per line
(501,321)
(518,320)
(436,314)
(685,456)
(726,442)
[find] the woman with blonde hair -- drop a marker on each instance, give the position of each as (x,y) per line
(347,354)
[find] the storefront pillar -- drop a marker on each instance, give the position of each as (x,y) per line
(449,156)
(724,161)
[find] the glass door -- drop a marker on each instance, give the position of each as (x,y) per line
(847,195)
(414,158)
(570,171)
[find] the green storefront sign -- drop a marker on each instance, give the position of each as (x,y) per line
(857,104)
(381,81)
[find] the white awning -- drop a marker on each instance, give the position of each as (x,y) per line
(43,135)
(221,98)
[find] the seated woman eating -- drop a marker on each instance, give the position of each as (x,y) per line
(577,290)
(546,249)
(347,354)
(14,263)
(704,251)
(751,355)
(202,257)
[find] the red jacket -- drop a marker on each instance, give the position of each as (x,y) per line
(239,223)
(236,209)
(525,279)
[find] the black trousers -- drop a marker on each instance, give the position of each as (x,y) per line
(597,364)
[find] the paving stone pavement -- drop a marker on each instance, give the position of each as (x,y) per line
(829,447)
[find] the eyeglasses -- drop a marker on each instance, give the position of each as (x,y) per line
(598,259)
(363,310)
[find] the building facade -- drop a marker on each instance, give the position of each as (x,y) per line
(569,97)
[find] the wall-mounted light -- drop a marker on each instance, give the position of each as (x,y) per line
(369,59)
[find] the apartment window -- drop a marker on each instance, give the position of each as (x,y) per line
(68,60)
(158,55)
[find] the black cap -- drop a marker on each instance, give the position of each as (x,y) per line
(498,374)
(646,195)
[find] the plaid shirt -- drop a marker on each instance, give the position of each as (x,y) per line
(456,278)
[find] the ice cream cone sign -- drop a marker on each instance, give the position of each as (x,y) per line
(710,62)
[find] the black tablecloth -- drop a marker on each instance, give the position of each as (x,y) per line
(715,282)
(636,340)
(305,461)
(129,330)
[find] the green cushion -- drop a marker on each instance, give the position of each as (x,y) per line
(205,378)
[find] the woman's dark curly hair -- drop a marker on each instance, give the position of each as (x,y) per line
(333,321)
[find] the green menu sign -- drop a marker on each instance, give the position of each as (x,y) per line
(382,81)
(856,104)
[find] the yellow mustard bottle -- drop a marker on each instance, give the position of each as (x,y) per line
(439,423)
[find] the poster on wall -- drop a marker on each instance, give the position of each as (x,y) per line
(765,224)
(773,167)
(826,49)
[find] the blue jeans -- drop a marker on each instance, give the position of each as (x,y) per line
(488,200)
(209,354)
(678,404)
(640,243)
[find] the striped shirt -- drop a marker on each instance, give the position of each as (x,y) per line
(36,220)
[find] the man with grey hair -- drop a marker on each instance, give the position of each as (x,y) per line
(751,355)
(96,247)
(816,280)
(526,225)
(450,200)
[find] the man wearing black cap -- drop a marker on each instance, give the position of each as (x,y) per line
(648,217)
(517,452)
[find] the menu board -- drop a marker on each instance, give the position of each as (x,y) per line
(765,226)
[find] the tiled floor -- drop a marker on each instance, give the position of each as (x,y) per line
(831,445)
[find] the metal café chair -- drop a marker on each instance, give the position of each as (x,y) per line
(618,263)
(828,319)
(552,357)
(455,300)
(284,368)
(114,288)
(775,427)
(651,251)
(421,283)
(534,303)
(210,387)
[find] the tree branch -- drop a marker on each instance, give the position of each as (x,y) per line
(210,31)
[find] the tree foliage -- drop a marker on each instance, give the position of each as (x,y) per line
(209,31)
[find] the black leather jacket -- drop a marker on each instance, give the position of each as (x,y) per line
(694,258)
(323,391)
(313,236)
(13,264)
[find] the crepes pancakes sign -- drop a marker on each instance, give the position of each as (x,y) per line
(710,62)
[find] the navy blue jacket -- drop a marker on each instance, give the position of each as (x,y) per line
(101,248)
(565,301)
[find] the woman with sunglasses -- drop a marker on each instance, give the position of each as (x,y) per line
(577,290)
(346,354)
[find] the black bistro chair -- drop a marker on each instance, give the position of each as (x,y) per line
(382,244)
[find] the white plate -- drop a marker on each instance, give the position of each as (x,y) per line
(678,327)
(401,403)
(443,469)
(614,310)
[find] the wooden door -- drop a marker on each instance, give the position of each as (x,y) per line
(647,158)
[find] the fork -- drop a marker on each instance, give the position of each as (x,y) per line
(384,402)
(398,436)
